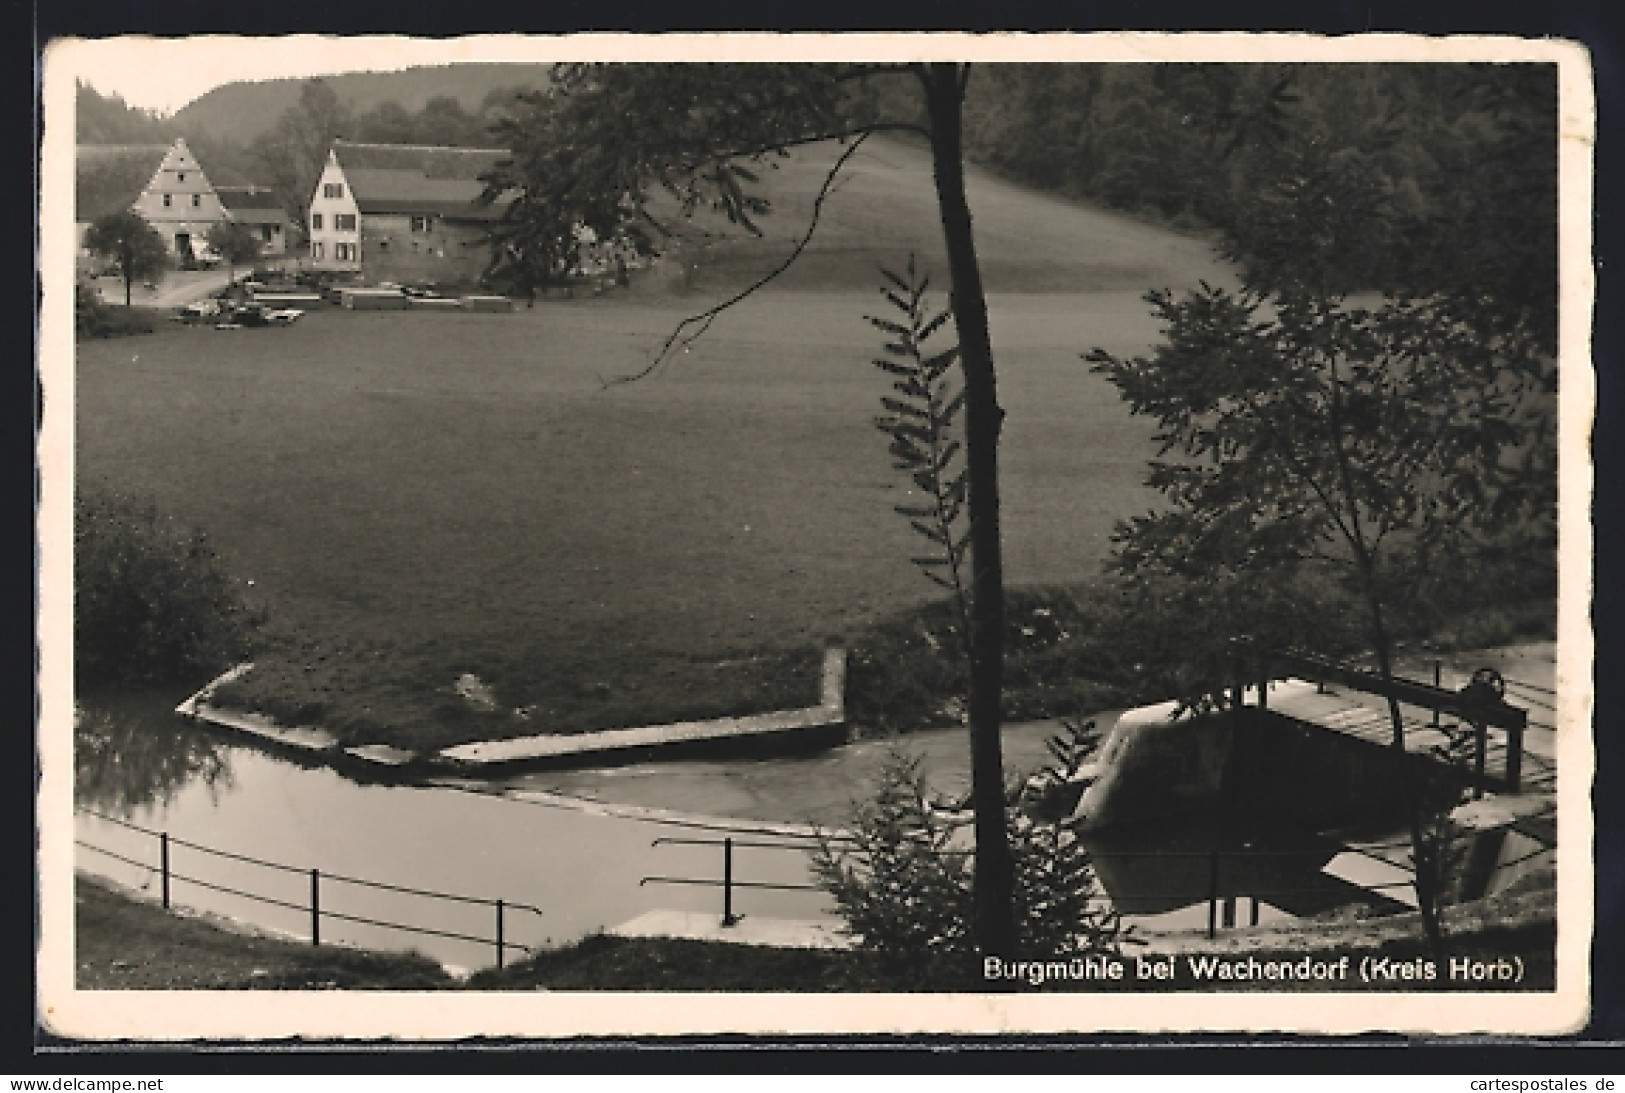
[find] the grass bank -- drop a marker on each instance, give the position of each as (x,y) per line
(1070,651)
(128,944)
(121,943)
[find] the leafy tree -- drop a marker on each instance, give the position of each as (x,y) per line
(126,238)
(235,243)
(151,603)
(594,148)
(291,157)
(441,121)
(387,123)
(1367,445)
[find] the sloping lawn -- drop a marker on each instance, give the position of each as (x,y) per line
(418,495)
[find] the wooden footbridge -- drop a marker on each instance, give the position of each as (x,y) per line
(1500,727)
(1435,718)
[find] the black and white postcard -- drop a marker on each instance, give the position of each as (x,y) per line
(808,534)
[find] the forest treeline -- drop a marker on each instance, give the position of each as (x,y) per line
(1441,174)
(289,155)
(1433,178)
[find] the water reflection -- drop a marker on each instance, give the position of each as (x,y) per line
(1150,870)
(134,752)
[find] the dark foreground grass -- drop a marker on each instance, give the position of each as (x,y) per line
(127,944)
(626,964)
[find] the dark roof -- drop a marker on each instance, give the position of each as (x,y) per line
(419,179)
(241,199)
(430,161)
(109,177)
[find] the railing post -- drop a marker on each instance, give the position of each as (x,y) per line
(728,918)
(1514,759)
(1481,742)
(1438,668)
(316,907)
(499,934)
(1213,895)
(163,863)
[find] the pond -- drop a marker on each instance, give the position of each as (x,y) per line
(138,762)
(246,828)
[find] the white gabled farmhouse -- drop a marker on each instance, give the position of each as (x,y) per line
(169,188)
(398,212)
(181,203)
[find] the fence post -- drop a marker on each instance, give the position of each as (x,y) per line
(1481,742)
(1213,895)
(163,862)
(316,907)
(499,934)
(728,918)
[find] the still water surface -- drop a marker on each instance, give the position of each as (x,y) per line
(140,763)
(581,864)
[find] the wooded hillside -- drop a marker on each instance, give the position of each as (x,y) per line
(244,111)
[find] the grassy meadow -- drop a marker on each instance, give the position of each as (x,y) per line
(420,495)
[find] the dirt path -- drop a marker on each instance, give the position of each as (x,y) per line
(175,290)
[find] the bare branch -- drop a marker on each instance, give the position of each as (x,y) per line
(695,326)
(858,133)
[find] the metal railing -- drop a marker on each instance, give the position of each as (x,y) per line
(313,906)
(1222,907)
(728,882)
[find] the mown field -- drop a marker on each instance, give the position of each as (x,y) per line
(417,495)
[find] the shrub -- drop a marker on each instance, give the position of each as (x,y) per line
(94,319)
(151,603)
(902,880)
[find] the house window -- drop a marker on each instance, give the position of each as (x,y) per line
(344,222)
(316,250)
(181,175)
(166,201)
(197,200)
(265,231)
(420,223)
(344,252)
(316,222)
(332,189)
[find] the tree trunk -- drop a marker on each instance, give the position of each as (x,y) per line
(995,925)
(1422,852)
